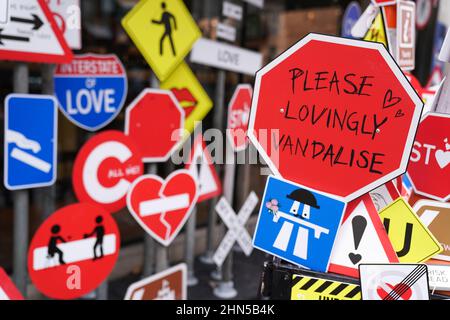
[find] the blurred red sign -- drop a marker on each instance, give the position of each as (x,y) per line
(155,121)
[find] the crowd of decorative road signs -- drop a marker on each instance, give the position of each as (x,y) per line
(350,149)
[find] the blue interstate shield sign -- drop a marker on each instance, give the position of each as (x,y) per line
(298,224)
(349,18)
(91,90)
(31,127)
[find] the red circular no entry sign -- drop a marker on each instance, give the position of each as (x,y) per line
(73,251)
(336,115)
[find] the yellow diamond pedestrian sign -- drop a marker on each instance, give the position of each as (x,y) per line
(163,31)
(411,239)
(190,94)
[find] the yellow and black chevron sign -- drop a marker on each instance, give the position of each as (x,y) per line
(309,288)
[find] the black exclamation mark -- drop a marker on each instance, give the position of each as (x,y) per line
(198,163)
(359,224)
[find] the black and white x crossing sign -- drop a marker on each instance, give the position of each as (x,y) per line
(236,227)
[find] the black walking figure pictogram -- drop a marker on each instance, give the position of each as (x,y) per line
(166,19)
(99,232)
(52,244)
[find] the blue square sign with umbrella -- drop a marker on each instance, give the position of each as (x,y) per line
(31,138)
(298,224)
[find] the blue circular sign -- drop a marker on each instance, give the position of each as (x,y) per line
(351,15)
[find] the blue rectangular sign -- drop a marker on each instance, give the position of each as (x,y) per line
(298,224)
(31,138)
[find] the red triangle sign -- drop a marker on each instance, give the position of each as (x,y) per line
(202,168)
(361,239)
(32,35)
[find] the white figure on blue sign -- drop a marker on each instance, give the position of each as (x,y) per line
(297,224)
(30,141)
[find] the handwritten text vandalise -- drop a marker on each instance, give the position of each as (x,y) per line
(341,119)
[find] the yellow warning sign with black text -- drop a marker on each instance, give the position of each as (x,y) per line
(411,239)
(163,31)
(309,288)
(377,31)
(190,94)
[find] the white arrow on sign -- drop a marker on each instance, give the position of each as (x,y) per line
(74,251)
(236,227)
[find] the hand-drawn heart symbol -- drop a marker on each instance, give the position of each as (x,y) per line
(442,158)
(161,207)
(354,257)
(401,289)
(389,100)
(399,113)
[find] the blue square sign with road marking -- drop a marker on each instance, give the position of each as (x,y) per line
(31,138)
(298,224)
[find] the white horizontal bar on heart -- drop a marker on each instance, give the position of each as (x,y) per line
(157,206)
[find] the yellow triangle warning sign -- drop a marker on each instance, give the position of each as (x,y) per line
(377,32)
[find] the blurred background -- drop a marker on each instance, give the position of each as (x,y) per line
(269,30)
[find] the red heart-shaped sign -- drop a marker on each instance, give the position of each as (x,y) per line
(160,206)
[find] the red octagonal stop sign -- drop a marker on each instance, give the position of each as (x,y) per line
(155,121)
(336,115)
(429,165)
